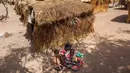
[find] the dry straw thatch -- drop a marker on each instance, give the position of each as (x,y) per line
(128,19)
(22,9)
(100,5)
(57,23)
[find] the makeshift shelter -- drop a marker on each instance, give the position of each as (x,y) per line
(60,22)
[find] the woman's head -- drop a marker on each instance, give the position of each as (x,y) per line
(30,8)
(68,46)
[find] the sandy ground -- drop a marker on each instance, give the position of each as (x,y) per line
(105,51)
(12,24)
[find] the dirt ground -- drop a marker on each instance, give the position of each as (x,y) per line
(105,51)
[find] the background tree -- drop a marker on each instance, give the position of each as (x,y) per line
(4,3)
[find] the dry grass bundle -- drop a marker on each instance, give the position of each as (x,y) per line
(22,9)
(100,5)
(57,23)
(128,19)
(11,2)
(24,14)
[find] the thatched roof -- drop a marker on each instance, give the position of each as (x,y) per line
(47,12)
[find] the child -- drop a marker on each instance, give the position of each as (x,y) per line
(56,60)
